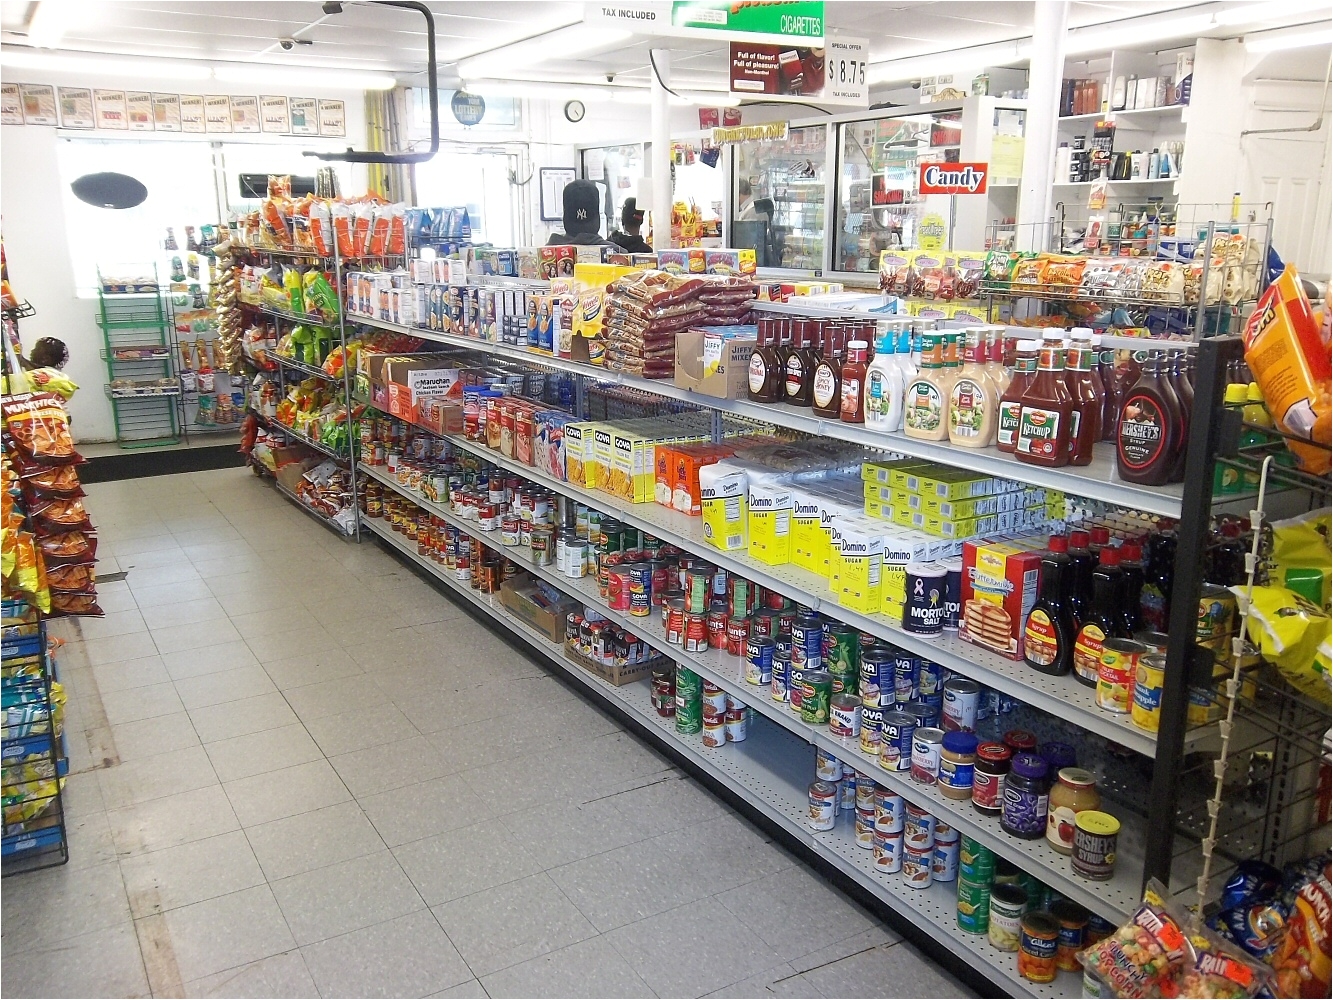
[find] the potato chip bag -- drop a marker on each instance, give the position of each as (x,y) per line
(1290,631)
(39,425)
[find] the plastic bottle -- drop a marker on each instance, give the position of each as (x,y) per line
(1149,439)
(925,402)
(1131,569)
(1105,618)
(973,401)
(1159,574)
(1000,376)
(1229,479)
(1079,579)
(1048,633)
(907,368)
(826,392)
(853,383)
(1184,391)
(801,362)
(1085,390)
(884,387)
(1256,413)
(1111,397)
(1043,423)
(765,382)
(1011,402)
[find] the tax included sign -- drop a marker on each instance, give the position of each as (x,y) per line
(952,178)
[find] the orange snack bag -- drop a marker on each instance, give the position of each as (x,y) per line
(1291,363)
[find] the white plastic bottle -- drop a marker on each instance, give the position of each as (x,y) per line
(882,403)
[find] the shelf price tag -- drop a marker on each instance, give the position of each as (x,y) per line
(845,71)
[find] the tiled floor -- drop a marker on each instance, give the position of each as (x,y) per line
(298,770)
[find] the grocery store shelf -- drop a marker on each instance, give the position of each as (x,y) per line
(291,317)
(1097,481)
(1119,183)
(295,435)
(170,393)
(309,511)
(771,771)
(310,371)
(1115,899)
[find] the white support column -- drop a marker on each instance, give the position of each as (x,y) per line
(1044,74)
(661,158)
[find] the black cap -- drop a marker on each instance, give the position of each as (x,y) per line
(583,208)
(631,214)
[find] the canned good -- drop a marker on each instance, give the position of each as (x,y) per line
(895,741)
(738,724)
(905,669)
(1217,616)
(845,716)
(946,834)
(696,633)
(781,677)
(847,790)
(1116,673)
(927,715)
(961,697)
(758,662)
(872,720)
(1039,939)
(973,906)
(698,586)
(664,691)
(1148,680)
(795,690)
(823,814)
(1155,641)
(976,862)
(868,684)
(640,589)
(764,623)
(944,861)
(717,625)
(673,595)
(888,851)
(842,650)
(930,683)
(918,827)
(1073,921)
(714,701)
(675,621)
(715,731)
(917,866)
(827,766)
(1008,903)
(890,811)
(865,792)
(689,701)
(865,828)
(1095,834)
(816,694)
(737,633)
(926,749)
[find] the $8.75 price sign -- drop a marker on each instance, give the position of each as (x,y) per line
(845,71)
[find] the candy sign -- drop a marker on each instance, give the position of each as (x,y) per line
(953,178)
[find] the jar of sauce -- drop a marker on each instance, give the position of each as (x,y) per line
(1047,409)
(1074,791)
(853,382)
(1011,401)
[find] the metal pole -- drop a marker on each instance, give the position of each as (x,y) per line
(661,133)
(1202,307)
(352,440)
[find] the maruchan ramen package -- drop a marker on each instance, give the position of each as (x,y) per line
(1291,363)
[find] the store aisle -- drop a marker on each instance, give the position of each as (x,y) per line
(298,770)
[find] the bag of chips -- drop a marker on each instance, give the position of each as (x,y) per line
(1293,634)
(52,380)
(60,514)
(39,425)
(69,546)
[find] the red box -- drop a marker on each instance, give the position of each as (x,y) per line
(400,402)
(999,589)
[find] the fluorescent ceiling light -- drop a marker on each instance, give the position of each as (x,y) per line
(46,27)
(1134,31)
(563,43)
(955,61)
(267,75)
(1252,12)
(143,69)
(1273,42)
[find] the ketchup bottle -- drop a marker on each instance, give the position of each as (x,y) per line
(853,382)
(1043,423)
(1085,388)
(1011,403)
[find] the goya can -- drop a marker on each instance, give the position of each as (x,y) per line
(926,714)
(872,720)
(905,669)
(816,695)
(807,641)
(845,716)
(973,906)
(823,810)
(758,662)
(930,682)
(781,684)
(1039,940)
(795,689)
(1116,673)
(1148,680)
(1073,921)
(895,740)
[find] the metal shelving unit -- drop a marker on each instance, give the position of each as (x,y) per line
(139,347)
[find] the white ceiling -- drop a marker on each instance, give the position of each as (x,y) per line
(372,37)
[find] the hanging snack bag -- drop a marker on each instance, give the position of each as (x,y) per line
(68,546)
(1301,961)
(1292,366)
(58,515)
(344,230)
(52,380)
(74,577)
(1143,956)
(397,244)
(321,228)
(1301,555)
(1293,634)
(1216,970)
(39,425)
(65,604)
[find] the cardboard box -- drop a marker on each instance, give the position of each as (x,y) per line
(557,261)
(616,674)
(520,595)
(713,365)
(999,589)
(729,261)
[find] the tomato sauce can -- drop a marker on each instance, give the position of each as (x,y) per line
(764,623)
(872,718)
(715,731)
(660,580)
(823,811)
(667,598)
(888,852)
(675,621)
(698,588)
(714,701)
(845,716)
(737,633)
(618,596)
(737,724)
(758,662)
(717,625)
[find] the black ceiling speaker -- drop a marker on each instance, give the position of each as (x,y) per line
(109,190)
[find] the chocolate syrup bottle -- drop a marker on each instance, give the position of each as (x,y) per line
(1148,436)
(1049,632)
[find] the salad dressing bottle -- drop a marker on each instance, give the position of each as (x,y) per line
(925,401)
(883,402)
(973,401)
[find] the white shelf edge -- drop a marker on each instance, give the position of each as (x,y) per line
(833,847)
(1114,900)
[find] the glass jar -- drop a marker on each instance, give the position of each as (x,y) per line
(992,764)
(958,757)
(1074,791)
(1025,798)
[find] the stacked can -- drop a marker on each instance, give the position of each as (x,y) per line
(689,701)
(664,684)
(918,846)
(976,868)
(889,830)
(944,857)
(714,702)
(841,653)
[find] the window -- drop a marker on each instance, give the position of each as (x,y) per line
(480,182)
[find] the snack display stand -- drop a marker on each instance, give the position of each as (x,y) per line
(140,350)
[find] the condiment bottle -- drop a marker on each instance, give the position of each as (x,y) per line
(853,382)
(883,408)
(1148,437)
(925,401)
(1079,581)
(1111,397)
(1158,575)
(952,364)
(1126,375)
(1131,569)
(973,401)
(1043,423)
(765,372)
(1000,376)
(826,390)
(1105,617)
(1085,425)
(1011,402)
(801,362)
(1048,634)
(1184,391)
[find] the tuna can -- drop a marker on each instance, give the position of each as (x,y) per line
(737,633)
(888,852)
(844,719)
(1008,903)
(918,827)
(889,811)
(816,693)
(715,731)
(865,792)
(917,866)
(758,662)
(923,612)
(823,813)
(717,625)
(961,697)
(827,766)
(976,862)
(926,748)
(696,633)
(944,861)
(924,712)
(895,741)
(865,828)
(1148,680)
(953,592)
(905,668)
(1116,674)
(714,702)
(871,721)
(973,906)
(675,621)
(781,678)
(737,724)
(807,641)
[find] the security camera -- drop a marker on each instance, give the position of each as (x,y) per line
(287,43)
(610,78)
(916,84)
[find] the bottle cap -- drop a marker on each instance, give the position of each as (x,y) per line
(1059,543)
(1110,556)
(1131,552)
(1053,336)
(1079,539)
(1237,394)
(1100,535)
(1080,333)
(1254,394)
(1029,345)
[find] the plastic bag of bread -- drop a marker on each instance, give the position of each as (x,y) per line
(1291,363)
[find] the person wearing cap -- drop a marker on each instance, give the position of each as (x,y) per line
(583,215)
(629,240)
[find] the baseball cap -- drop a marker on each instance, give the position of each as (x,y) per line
(630,213)
(583,208)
